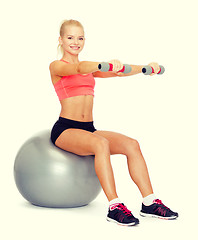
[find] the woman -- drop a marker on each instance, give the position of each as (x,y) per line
(75,132)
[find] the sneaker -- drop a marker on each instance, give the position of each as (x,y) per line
(118,213)
(158,210)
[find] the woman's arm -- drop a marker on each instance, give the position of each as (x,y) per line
(135,70)
(59,68)
(105,74)
(138,69)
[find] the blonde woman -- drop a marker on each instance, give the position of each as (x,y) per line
(74,131)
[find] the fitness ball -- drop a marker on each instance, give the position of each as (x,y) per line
(48,176)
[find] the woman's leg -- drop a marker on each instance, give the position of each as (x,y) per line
(121,144)
(86,143)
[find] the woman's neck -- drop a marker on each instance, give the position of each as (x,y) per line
(70,58)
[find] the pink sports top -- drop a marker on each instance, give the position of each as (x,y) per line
(74,85)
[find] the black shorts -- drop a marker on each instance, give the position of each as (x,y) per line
(63,124)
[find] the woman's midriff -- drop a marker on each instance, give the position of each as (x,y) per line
(78,108)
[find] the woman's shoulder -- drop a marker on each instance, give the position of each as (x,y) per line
(55,65)
(55,62)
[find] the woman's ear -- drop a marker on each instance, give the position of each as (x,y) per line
(60,40)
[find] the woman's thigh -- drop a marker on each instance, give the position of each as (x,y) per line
(78,141)
(118,143)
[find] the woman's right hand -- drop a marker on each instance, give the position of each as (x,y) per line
(155,66)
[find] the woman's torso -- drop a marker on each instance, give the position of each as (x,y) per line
(78,108)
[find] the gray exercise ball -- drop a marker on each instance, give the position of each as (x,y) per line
(48,176)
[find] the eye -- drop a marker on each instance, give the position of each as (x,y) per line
(69,38)
(81,39)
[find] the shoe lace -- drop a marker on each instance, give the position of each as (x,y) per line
(124,209)
(160,203)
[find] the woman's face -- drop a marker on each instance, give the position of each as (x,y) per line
(73,40)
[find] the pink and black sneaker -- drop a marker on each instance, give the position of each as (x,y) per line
(118,213)
(158,210)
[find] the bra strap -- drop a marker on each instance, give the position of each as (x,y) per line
(63,60)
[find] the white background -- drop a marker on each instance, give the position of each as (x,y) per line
(160,111)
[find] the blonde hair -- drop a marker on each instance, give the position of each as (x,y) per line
(63,25)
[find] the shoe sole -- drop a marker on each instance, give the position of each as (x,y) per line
(122,224)
(155,216)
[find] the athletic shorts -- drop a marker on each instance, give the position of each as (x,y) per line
(63,124)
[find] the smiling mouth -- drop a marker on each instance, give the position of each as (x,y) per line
(74,47)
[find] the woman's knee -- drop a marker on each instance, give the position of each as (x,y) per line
(135,144)
(132,146)
(101,145)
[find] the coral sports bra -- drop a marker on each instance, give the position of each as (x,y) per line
(74,85)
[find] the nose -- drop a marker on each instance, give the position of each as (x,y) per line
(76,41)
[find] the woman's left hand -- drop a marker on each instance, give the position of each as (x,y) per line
(117,65)
(156,68)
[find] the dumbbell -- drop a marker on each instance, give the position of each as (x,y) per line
(105,67)
(147,70)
